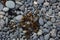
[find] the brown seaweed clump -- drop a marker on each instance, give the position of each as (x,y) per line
(29,23)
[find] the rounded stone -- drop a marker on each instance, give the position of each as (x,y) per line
(49,23)
(10,4)
(18,18)
(41,21)
(2,13)
(1,6)
(53,19)
(5,9)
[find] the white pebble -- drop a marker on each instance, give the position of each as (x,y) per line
(5,9)
(46,4)
(10,4)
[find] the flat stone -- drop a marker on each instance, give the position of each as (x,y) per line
(10,4)
(2,13)
(58,13)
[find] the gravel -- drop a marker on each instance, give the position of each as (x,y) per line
(42,16)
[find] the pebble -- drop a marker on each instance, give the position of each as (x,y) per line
(51,39)
(58,13)
(1,6)
(53,19)
(53,33)
(40,1)
(41,21)
(46,4)
(45,30)
(39,32)
(46,37)
(5,9)
(2,13)
(10,4)
(49,23)
(22,7)
(18,18)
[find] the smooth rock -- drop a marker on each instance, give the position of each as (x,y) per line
(51,39)
(58,13)
(10,4)
(46,37)
(39,32)
(1,6)
(2,13)
(22,7)
(40,1)
(53,33)
(18,18)
(41,21)
(46,4)
(53,19)
(49,23)
(5,9)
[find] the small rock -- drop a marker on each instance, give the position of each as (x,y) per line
(5,9)
(22,8)
(49,23)
(53,33)
(53,19)
(46,37)
(58,13)
(18,18)
(2,13)
(46,4)
(1,6)
(39,32)
(51,39)
(41,21)
(10,4)
(40,1)
(45,30)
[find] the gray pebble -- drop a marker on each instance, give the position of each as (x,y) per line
(53,19)
(1,6)
(22,7)
(40,1)
(10,4)
(41,21)
(46,37)
(49,23)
